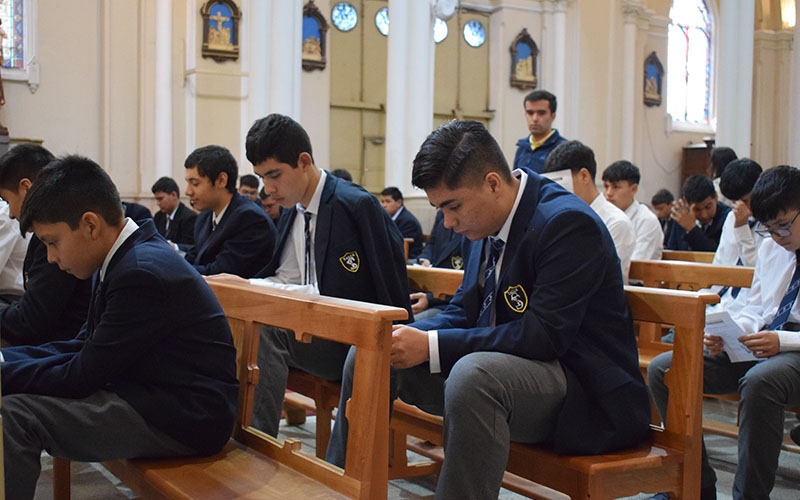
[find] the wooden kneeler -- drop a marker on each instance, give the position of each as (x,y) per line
(254,465)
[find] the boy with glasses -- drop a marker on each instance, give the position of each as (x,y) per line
(772,319)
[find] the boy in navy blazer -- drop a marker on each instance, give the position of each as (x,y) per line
(174,220)
(537,345)
(334,237)
(153,370)
(55,302)
(232,234)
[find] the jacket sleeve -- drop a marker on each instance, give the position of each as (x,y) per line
(247,247)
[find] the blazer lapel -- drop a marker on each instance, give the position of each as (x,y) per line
(324,226)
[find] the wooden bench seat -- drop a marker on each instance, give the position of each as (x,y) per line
(254,465)
(669,462)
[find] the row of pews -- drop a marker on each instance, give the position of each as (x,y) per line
(256,466)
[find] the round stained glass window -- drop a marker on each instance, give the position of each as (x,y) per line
(439,30)
(344,16)
(382,21)
(474,33)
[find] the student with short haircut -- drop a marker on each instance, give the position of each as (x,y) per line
(174,220)
(721,157)
(55,302)
(739,243)
(152,371)
(231,234)
(334,238)
(699,217)
(540,111)
(578,158)
(621,182)
(537,345)
(392,202)
(248,187)
(770,320)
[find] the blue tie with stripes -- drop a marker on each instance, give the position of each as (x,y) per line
(495,247)
(788,299)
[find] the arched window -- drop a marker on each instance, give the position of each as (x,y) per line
(689,56)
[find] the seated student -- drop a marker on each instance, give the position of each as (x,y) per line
(392,202)
(770,320)
(579,159)
(153,370)
(721,157)
(342,174)
(248,187)
(334,238)
(699,217)
(739,243)
(442,250)
(136,212)
(542,309)
(55,303)
(13,247)
(662,206)
(174,220)
(231,235)
(270,206)
(620,183)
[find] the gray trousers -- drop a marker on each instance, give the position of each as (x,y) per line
(277,351)
(487,400)
(100,427)
(765,390)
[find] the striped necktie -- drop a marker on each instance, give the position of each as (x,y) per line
(495,248)
(788,298)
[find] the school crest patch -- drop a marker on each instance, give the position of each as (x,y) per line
(350,261)
(516,298)
(457,262)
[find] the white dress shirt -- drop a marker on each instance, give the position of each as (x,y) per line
(621,229)
(13,248)
(649,236)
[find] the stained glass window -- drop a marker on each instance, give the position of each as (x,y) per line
(13,41)
(689,62)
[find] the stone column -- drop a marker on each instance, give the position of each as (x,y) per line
(163,89)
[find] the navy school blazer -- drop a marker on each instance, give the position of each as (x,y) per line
(560,296)
(242,243)
(181,230)
(358,250)
(158,338)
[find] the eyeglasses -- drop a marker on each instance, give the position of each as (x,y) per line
(780,231)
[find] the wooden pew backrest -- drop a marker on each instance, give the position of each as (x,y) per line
(688,256)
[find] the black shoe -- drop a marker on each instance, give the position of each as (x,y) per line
(795,434)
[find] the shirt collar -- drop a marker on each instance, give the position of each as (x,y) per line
(313,205)
(216,218)
(171,215)
(506,229)
(127,230)
(537,144)
(397,214)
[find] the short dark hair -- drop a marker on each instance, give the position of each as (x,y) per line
(739,178)
(166,185)
(392,191)
(775,191)
(622,170)
(213,160)
(249,180)
(263,194)
(66,189)
(459,153)
(697,188)
(279,137)
(572,155)
(720,158)
(542,95)
(24,161)
(662,196)
(342,174)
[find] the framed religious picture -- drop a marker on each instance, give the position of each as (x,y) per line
(653,76)
(523,61)
(220,29)
(315,29)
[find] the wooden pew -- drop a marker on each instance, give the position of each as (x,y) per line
(688,256)
(254,465)
(670,461)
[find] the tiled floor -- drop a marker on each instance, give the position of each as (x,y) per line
(92,482)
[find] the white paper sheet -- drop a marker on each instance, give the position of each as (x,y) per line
(721,324)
